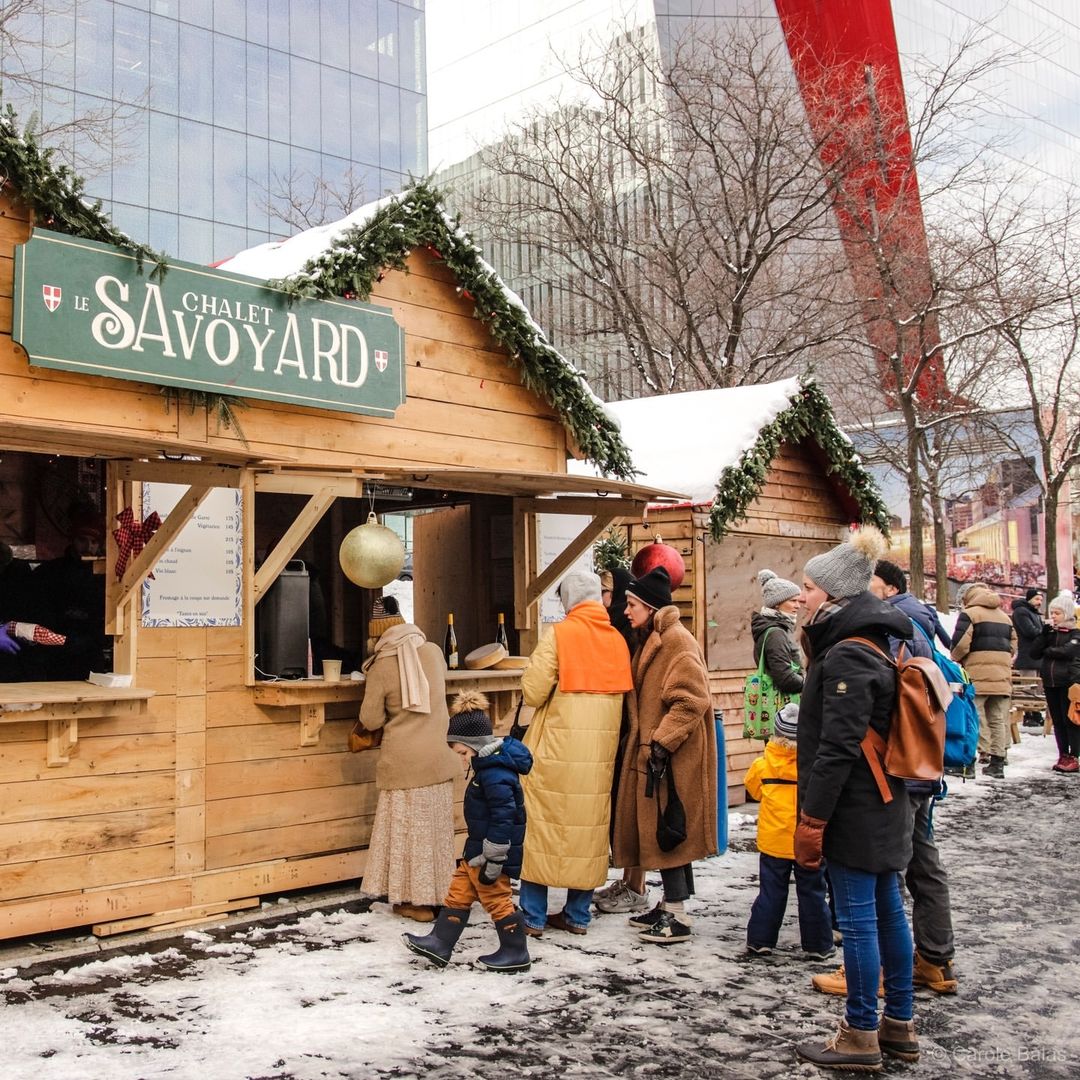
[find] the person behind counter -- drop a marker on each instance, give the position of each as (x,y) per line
(411,853)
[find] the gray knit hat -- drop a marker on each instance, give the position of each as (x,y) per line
(846,569)
(964,589)
(577,587)
(786,722)
(775,589)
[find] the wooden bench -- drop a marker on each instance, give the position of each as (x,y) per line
(1027,696)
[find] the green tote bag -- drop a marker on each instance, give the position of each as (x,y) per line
(761,700)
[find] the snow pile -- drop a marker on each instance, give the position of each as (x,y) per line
(283,258)
(336,994)
(683,442)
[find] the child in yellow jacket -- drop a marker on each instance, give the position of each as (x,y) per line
(771,781)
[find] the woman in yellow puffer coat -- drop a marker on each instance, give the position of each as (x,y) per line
(772,781)
(575,679)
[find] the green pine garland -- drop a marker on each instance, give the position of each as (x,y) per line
(809,416)
(57,197)
(416,219)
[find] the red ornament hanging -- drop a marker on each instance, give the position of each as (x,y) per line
(659,554)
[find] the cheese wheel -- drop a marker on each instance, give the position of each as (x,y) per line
(486,656)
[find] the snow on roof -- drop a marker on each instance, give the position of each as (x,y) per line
(283,258)
(683,442)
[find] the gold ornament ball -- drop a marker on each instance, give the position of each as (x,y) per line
(371,555)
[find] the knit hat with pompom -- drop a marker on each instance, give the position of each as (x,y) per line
(846,569)
(469,721)
(775,589)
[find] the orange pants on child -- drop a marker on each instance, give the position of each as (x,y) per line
(466,886)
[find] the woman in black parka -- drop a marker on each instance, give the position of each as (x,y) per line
(773,628)
(842,815)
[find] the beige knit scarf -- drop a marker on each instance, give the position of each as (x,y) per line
(404,642)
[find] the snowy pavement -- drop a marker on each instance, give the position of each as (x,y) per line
(334,993)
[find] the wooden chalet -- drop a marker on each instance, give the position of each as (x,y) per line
(199,786)
(772,481)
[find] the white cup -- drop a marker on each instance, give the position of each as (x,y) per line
(331,670)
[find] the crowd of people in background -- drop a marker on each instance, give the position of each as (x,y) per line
(618,767)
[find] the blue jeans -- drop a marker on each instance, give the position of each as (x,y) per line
(533,899)
(876,936)
(815,921)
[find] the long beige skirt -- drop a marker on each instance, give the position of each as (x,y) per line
(411,854)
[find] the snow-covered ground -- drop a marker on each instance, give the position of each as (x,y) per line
(334,993)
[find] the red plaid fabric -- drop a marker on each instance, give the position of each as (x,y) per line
(35,632)
(132,538)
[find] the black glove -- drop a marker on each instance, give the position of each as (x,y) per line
(659,758)
(490,861)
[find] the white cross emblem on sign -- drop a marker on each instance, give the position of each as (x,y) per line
(51,295)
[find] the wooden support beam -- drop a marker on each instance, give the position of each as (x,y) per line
(345,487)
(566,559)
(294,536)
(247,527)
(524,542)
(312,719)
(583,504)
(63,735)
(196,473)
(170,528)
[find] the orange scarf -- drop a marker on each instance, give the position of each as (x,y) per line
(593,657)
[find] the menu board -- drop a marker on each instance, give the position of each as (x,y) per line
(556,531)
(198,581)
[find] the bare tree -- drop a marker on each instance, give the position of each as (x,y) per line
(679,204)
(917,229)
(34,35)
(301,200)
(1036,308)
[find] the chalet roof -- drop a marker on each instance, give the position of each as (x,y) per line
(717,445)
(346,258)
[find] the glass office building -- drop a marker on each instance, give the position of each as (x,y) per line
(221,106)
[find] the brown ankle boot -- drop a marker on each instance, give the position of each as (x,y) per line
(849,1049)
(897,1039)
(835,982)
(938,977)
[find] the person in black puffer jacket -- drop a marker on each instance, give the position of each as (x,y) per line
(850,687)
(1058,647)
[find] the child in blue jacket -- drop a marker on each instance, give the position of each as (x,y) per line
(495,817)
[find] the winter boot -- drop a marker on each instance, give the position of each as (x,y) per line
(1070,765)
(996,768)
(938,977)
(513,951)
(897,1039)
(835,982)
(849,1049)
(439,944)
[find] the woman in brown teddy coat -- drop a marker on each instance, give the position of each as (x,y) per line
(671,727)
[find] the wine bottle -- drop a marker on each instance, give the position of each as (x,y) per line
(450,650)
(500,633)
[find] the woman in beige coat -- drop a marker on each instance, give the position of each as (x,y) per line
(411,853)
(671,727)
(575,679)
